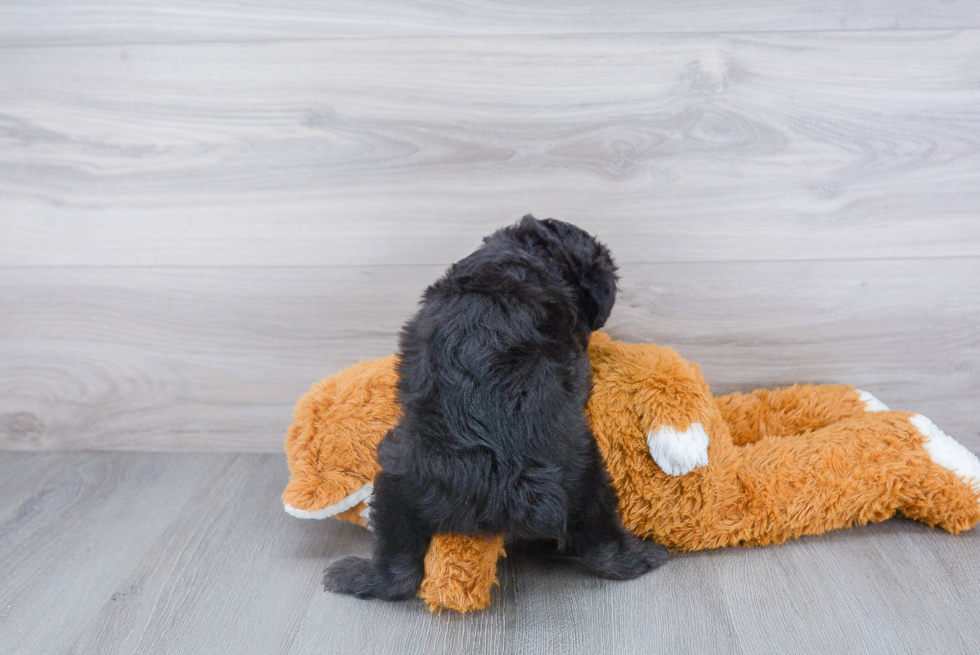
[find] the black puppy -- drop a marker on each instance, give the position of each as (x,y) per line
(493,439)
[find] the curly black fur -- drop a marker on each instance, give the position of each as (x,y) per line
(494,378)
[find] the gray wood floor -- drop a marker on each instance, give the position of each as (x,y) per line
(191,553)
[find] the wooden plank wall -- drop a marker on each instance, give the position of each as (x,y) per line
(204,207)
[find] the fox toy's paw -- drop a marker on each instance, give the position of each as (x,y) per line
(948,452)
(678,452)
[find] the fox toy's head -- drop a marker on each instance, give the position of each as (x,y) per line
(331,445)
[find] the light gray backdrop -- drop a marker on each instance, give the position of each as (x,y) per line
(206,207)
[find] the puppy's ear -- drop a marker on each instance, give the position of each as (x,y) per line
(587,263)
(593,268)
(530,228)
(598,287)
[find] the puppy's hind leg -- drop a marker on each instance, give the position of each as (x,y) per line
(398,566)
(601,542)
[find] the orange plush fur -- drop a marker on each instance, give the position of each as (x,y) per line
(780,463)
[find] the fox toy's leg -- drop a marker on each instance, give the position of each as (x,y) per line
(858,470)
(792,410)
(460,572)
(949,488)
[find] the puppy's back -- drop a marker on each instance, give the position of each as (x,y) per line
(493,386)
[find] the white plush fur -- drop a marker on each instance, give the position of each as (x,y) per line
(871,404)
(676,452)
(332,510)
(366,514)
(947,451)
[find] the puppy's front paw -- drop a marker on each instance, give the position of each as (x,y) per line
(625,561)
(352,575)
(678,452)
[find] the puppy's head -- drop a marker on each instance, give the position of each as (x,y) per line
(584,262)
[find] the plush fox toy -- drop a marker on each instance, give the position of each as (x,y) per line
(692,471)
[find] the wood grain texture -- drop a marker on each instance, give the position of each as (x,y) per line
(214,358)
(406,151)
(60,22)
(69,529)
(149,553)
